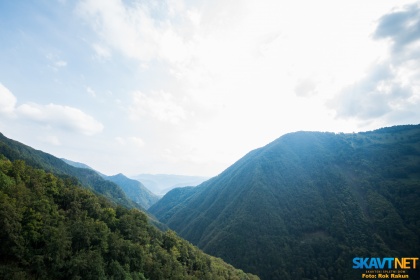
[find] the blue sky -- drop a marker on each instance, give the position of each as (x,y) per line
(189,87)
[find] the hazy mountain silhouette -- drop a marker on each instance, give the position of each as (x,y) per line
(134,189)
(160,184)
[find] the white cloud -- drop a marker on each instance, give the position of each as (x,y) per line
(90,91)
(56,61)
(120,140)
(62,117)
(61,63)
(305,87)
(161,106)
(137,141)
(7,101)
(132,142)
(144,31)
(101,51)
(390,90)
(51,115)
(52,140)
(129,30)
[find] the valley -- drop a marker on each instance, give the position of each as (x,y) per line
(302,207)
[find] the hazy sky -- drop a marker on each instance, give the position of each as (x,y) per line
(189,87)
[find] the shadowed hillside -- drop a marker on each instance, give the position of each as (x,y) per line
(305,205)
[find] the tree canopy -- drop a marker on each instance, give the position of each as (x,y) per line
(50,228)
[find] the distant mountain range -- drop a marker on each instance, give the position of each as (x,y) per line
(156,184)
(305,205)
(134,189)
(79,165)
(160,184)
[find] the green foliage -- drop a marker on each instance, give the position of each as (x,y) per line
(135,190)
(53,229)
(16,151)
(305,205)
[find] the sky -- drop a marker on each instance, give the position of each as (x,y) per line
(189,87)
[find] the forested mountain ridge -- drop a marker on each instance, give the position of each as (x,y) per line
(306,204)
(134,189)
(78,164)
(51,228)
(14,150)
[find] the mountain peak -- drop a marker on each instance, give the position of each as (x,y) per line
(307,202)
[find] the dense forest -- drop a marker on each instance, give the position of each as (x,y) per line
(90,179)
(52,228)
(306,204)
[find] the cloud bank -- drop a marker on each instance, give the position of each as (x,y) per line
(161,106)
(390,90)
(51,115)
(134,30)
(7,101)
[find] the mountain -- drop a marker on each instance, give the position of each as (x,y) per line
(78,164)
(162,183)
(50,228)
(14,150)
(135,190)
(305,205)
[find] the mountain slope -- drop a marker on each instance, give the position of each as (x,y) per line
(14,150)
(53,229)
(78,164)
(306,204)
(135,190)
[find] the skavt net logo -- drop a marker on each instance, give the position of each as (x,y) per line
(382,268)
